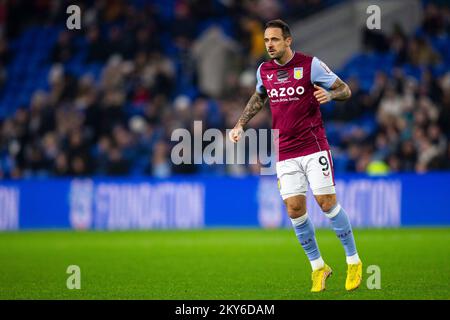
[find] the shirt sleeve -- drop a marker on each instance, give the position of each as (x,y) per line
(321,74)
(259,84)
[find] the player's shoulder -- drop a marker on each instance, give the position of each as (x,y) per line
(260,66)
(264,67)
(301,56)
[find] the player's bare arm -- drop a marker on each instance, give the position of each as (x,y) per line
(254,105)
(339,91)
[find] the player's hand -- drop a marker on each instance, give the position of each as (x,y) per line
(322,95)
(236,133)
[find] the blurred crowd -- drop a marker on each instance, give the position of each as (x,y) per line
(402,123)
(161,70)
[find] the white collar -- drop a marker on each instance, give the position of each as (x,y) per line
(293,54)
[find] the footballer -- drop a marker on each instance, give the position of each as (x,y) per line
(296,85)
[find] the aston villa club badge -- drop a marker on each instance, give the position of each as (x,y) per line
(298,73)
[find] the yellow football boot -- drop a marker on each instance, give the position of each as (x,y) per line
(354,276)
(319,277)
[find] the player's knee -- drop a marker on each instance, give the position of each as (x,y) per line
(295,212)
(327,206)
(327,202)
(295,209)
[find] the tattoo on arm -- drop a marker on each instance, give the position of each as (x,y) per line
(340,90)
(254,105)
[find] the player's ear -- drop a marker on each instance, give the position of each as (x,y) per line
(288,40)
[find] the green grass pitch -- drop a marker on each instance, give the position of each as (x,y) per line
(218,264)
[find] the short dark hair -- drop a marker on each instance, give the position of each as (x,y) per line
(278,23)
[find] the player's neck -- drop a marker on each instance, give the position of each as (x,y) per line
(286,57)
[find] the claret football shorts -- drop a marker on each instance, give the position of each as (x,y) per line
(295,174)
